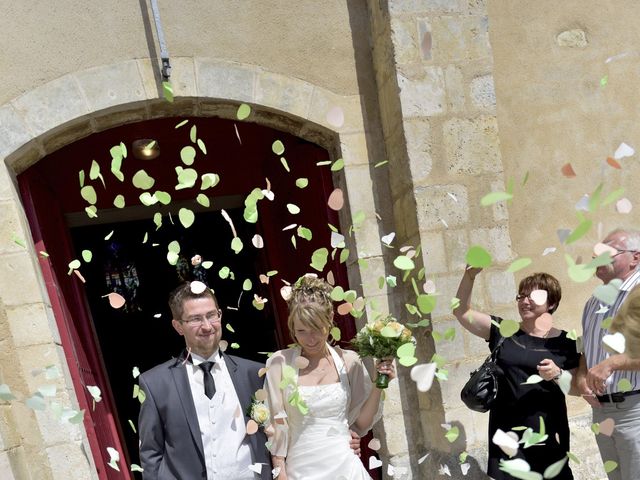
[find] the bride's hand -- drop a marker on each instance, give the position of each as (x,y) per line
(386,367)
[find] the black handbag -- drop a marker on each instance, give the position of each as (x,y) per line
(481,390)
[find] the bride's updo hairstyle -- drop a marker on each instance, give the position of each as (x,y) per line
(310,303)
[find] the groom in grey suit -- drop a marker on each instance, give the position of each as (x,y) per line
(192,422)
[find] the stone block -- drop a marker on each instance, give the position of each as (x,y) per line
(183,77)
(433,252)
(285,94)
(475,347)
(12,225)
(473,427)
(15,131)
(584,446)
(69,462)
(501,287)
(447,287)
(457,244)
(405,42)
(499,209)
(458,376)
(472,145)
(111,85)
(436,207)
(496,241)
(452,350)
(225,80)
(51,105)
(9,434)
(8,184)
(5,467)
(460,38)
(454,82)
(181,107)
(323,101)
(375,269)
(36,357)
(418,136)
(32,324)
(356,151)
(367,238)
(66,134)
(422,95)
(425,38)
(483,93)
(397,7)
(20,282)
(396,441)
(107,119)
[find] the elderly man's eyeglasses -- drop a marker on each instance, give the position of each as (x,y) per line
(211,317)
(620,252)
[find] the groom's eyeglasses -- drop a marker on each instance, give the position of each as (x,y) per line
(211,317)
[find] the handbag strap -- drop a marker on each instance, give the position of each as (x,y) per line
(494,352)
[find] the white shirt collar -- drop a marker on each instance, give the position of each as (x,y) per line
(197,359)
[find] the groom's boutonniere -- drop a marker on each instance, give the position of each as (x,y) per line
(258,414)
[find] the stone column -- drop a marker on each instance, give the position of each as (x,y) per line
(433,65)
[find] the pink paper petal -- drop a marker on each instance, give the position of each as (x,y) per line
(252,427)
(607,426)
(429,286)
(335,117)
(623,205)
(261,394)
(336,200)
(344,308)
(374,444)
(301,362)
(116,300)
(262,372)
(223,345)
(330,278)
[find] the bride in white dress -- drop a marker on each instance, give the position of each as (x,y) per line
(317,393)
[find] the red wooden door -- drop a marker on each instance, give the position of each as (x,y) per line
(50,234)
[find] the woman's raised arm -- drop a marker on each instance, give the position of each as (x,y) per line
(476,322)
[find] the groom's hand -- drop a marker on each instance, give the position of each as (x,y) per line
(354,443)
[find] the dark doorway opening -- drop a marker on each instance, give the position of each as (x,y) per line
(140,333)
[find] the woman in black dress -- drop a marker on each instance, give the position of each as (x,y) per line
(537,348)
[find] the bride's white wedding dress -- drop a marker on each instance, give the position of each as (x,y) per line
(317,444)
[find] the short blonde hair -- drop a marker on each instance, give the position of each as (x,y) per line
(627,322)
(310,303)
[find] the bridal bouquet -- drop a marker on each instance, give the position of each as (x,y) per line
(382,339)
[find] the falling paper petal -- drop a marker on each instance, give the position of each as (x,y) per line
(567,171)
(252,427)
(614,343)
(374,444)
(423,375)
(519,264)
(623,205)
(613,163)
(387,239)
(506,442)
(623,150)
(277,147)
(257,241)
(301,362)
(243,112)
(335,117)
(197,287)
(114,456)
(539,297)
(336,200)
(478,257)
(374,463)
(115,300)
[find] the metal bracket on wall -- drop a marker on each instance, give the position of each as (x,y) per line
(164,53)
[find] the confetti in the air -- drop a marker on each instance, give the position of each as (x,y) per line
(335,117)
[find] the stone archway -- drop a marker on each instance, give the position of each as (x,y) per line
(78,104)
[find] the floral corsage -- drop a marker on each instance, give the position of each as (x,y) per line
(258,414)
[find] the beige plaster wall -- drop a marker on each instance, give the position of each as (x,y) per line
(553,110)
(43,41)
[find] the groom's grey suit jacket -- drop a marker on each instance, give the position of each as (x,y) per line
(170,438)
